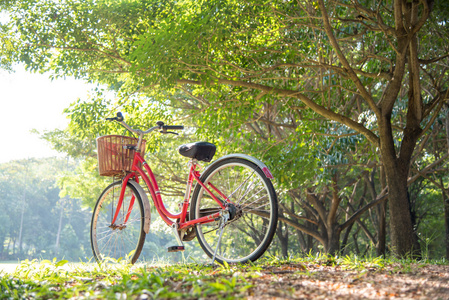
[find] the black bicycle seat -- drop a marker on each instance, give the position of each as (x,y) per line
(202,151)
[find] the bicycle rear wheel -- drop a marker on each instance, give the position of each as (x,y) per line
(114,242)
(247,235)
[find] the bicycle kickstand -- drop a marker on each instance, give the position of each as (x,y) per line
(180,246)
(224,219)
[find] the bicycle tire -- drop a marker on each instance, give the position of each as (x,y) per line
(115,243)
(249,234)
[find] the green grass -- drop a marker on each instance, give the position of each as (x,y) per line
(61,279)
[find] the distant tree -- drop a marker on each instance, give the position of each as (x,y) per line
(28,188)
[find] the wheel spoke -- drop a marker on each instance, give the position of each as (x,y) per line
(241,185)
(253,197)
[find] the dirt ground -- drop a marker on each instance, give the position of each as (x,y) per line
(298,281)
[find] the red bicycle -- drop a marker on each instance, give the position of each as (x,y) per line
(233,210)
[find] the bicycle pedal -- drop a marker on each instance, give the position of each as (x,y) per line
(175,248)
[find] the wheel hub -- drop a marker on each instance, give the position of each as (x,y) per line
(115,226)
(235,211)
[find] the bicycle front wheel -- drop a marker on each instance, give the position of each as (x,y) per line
(249,232)
(124,239)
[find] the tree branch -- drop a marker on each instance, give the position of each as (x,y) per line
(306,100)
(329,31)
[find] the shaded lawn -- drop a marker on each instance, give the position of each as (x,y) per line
(346,278)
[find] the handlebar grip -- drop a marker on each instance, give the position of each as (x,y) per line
(174,127)
(119,118)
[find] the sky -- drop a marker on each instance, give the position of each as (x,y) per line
(32,101)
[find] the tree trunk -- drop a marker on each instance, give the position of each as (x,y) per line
(2,246)
(302,241)
(345,238)
(282,234)
(23,210)
(333,229)
(396,171)
(397,163)
(284,246)
(21,225)
(356,244)
(446,224)
(445,195)
(382,217)
(333,241)
(402,235)
(7,247)
(382,229)
(58,234)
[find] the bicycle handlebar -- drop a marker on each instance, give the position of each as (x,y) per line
(174,127)
(160,125)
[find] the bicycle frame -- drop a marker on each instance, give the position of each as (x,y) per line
(153,188)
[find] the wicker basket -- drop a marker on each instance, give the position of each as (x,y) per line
(113,158)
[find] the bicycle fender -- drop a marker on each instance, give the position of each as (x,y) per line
(146,205)
(260,164)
